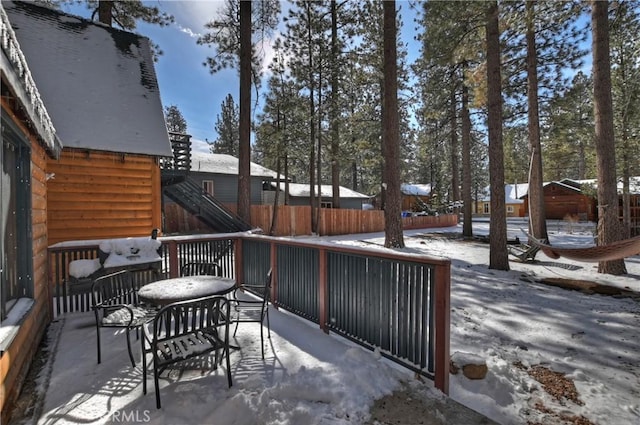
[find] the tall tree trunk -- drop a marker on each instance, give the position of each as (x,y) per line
(537,214)
(335,130)
(391,131)
(455,170)
(276,198)
(608,222)
(312,131)
(467,212)
(244,148)
(498,256)
(319,137)
(105,15)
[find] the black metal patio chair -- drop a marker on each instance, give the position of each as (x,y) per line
(200,269)
(183,330)
(115,305)
(256,311)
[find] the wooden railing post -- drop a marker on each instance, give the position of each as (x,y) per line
(323,291)
(173,259)
(443,324)
(273,263)
(239,261)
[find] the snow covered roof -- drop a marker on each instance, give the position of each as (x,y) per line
(18,75)
(513,193)
(634,184)
(98,83)
(416,189)
(218,163)
(301,190)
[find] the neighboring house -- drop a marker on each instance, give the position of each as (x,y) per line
(415,197)
(299,194)
(567,199)
(100,88)
(217,174)
(188,210)
(29,141)
(634,200)
(514,204)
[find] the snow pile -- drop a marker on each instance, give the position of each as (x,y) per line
(130,251)
(84,268)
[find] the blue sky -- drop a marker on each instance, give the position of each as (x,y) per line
(183,80)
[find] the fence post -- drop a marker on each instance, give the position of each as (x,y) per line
(443,324)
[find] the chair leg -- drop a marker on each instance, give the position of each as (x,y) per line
(144,367)
(133,362)
(157,384)
(236,329)
(268,324)
(226,354)
(262,339)
(98,342)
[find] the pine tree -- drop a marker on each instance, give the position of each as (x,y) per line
(227,127)
(498,256)
(625,76)
(174,119)
(450,54)
(391,132)
(567,143)
(232,34)
(609,228)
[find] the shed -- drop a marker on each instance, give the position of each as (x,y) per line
(415,197)
(100,88)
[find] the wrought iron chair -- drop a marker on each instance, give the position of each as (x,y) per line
(200,269)
(183,330)
(115,305)
(256,311)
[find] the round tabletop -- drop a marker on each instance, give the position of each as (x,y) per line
(167,291)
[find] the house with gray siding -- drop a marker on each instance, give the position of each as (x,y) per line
(299,194)
(217,174)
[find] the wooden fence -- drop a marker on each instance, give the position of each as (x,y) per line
(296,221)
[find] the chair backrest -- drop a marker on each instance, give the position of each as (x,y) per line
(114,288)
(201,269)
(264,292)
(266,295)
(191,316)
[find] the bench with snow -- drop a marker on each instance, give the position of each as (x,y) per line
(134,254)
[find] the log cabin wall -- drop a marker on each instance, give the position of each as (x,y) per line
(561,202)
(99,195)
(17,355)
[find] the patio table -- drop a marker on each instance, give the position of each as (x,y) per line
(166,291)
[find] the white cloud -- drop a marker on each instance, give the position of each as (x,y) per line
(188,31)
(194,15)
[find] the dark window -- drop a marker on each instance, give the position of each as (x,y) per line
(207,186)
(15,226)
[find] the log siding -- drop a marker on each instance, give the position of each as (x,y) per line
(98,195)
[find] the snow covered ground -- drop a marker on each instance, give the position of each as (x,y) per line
(508,318)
